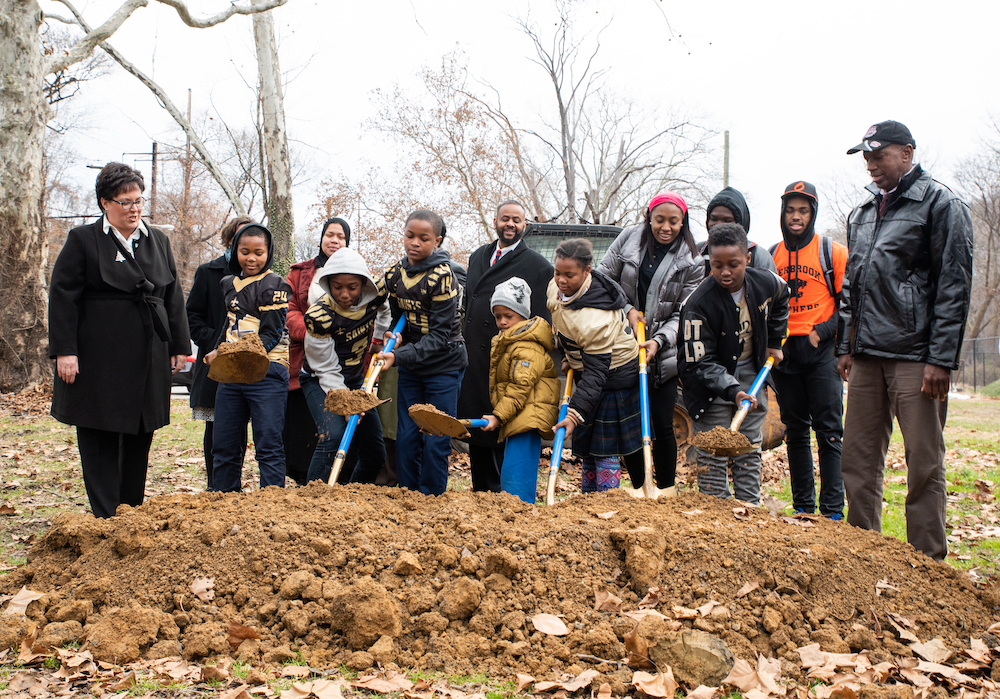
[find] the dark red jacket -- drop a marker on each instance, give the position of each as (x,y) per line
(300,278)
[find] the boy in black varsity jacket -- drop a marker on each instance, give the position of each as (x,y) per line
(732,323)
(340,327)
(256,301)
(431,356)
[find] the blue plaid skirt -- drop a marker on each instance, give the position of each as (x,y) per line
(615,430)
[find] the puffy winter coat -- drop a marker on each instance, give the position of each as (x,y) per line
(300,278)
(678,274)
(909,275)
(524,387)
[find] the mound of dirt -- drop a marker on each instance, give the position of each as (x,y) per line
(351,402)
(720,438)
(360,574)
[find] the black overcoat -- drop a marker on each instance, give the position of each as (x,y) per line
(206,314)
(480,327)
(101,311)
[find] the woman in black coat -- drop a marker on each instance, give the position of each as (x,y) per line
(206,314)
(116,330)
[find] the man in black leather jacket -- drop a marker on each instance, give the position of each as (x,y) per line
(906,299)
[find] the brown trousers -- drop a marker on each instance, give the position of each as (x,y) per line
(879,389)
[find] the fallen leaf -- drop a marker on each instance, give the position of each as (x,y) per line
(328,689)
(748,587)
(124,683)
(651,599)
(550,624)
(604,691)
(797,521)
(391,682)
(883,584)
(702,692)
(238,693)
(933,651)
(661,684)
(904,634)
(691,513)
(581,680)
(213,672)
(607,515)
(640,614)
(295,671)
(605,601)
(239,633)
(638,649)
(202,588)
(740,513)
(708,607)
(523,681)
(6,509)
(19,603)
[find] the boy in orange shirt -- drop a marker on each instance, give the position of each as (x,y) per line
(810,391)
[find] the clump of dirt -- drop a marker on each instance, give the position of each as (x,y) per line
(436,422)
(351,401)
(243,361)
(360,574)
(720,438)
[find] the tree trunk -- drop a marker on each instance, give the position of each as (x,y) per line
(23,114)
(279,176)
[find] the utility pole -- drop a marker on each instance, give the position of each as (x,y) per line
(725,162)
(152,186)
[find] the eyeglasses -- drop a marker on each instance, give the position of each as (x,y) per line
(128,205)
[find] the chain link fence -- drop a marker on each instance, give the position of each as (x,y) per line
(979,365)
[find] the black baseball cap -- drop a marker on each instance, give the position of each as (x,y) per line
(882,134)
(801,188)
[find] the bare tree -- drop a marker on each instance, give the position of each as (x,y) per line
(979,179)
(23,115)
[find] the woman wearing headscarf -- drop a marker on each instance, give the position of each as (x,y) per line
(657,264)
(300,430)
(117,329)
(206,314)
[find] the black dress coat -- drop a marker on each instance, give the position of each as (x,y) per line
(480,326)
(123,323)
(206,314)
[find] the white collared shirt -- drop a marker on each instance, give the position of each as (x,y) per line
(504,251)
(127,242)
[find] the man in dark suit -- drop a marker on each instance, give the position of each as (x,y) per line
(492,264)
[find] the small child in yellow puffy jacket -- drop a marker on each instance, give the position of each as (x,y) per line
(524,386)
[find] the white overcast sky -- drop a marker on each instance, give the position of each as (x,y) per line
(795,83)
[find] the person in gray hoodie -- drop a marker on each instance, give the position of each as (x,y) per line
(348,309)
(730,206)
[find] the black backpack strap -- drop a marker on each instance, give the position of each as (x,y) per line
(826,264)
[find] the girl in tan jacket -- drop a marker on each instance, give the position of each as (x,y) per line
(524,387)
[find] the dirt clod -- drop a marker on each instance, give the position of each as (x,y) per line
(243,361)
(351,401)
(720,437)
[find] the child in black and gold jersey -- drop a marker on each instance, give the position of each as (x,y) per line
(339,331)
(431,354)
(256,301)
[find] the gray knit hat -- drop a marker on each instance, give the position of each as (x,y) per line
(515,294)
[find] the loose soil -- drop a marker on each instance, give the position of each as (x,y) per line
(357,575)
(351,401)
(720,438)
(243,361)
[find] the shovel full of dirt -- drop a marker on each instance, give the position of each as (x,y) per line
(437,423)
(352,401)
(557,443)
(648,489)
(243,361)
(731,442)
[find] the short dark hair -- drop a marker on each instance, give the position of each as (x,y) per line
(726,234)
(115,178)
(513,202)
(437,223)
(229,228)
(579,250)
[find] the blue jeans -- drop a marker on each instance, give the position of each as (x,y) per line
(263,405)
(422,460)
(366,454)
(519,473)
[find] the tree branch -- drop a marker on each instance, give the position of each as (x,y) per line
(185,14)
(85,46)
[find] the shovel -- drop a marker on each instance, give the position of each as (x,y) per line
(557,443)
(649,489)
(740,415)
(432,421)
(368,386)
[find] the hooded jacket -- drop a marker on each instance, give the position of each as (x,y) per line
(337,339)
(524,385)
(678,274)
(597,340)
(810,305)
(258,303)
(711,327)
(908,283)
(428,294)
(734,200)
